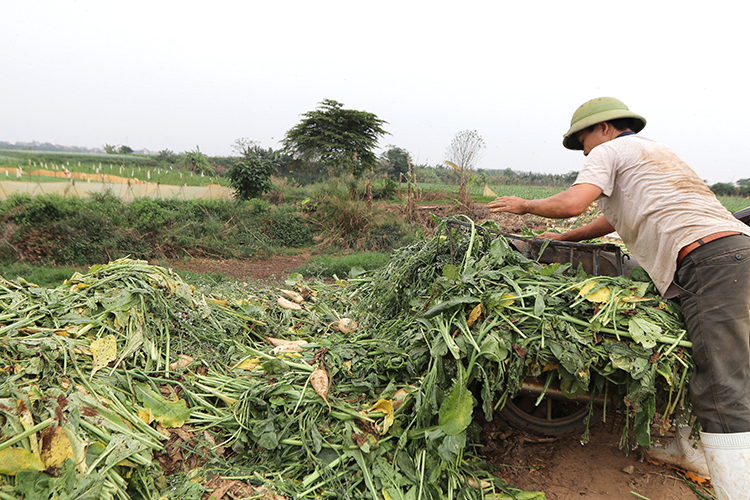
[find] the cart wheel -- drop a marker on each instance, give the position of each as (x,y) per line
(552,417)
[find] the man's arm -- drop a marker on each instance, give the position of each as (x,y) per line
(571,202)
(594,229)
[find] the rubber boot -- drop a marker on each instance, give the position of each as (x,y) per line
(728,457)
(682,452)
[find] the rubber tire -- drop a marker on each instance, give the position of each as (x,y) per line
(571,422)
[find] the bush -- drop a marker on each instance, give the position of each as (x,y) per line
(28,210)
(251,177)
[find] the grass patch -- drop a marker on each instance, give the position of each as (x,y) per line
(326,266)
(44,276)
(734,203)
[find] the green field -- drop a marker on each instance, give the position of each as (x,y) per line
(144,168)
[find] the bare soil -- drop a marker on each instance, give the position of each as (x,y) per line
(564,468)
(561,467)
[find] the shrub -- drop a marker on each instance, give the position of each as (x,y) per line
(251,177)
(35,210)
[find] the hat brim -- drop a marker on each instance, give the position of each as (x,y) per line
(571,142)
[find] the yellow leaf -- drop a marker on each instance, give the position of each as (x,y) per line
(146,416)
(290,355)
(475,313)
(507,300)
(56,447)
(104,351)
(14,460)
(385,406)
(248,364)
(79,286)
(601,295)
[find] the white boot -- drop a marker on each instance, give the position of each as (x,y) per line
(728,457)
(682,452)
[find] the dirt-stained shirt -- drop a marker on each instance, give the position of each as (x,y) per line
(655,201)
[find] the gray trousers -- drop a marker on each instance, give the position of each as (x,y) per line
(714,280)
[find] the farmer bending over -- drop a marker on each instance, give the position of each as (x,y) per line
(691,246)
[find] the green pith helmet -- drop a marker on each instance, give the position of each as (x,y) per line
(595,111)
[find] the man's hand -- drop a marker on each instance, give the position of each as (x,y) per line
(570,203)
(550,236)
(512,204)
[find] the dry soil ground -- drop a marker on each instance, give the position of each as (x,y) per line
(562,468)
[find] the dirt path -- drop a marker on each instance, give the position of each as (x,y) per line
(276,268)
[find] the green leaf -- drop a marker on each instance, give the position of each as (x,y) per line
(643,331)
(498,250)
(539,304)
(167,413)
(450,304)
(451,446)
(451,272)
(494,348)
(455,412)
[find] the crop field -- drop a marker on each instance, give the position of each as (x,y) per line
(17,165)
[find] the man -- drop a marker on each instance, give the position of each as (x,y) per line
(691,246)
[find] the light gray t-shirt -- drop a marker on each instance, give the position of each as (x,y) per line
(655,201)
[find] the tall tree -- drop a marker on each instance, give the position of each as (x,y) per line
(398,161)
(341,139)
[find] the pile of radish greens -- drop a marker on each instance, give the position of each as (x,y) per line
(127,382)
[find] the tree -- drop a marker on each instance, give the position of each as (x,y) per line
(464,152)
(125,150)
(109,149)
(341,139)
(247,148)
(166,155)
(250,177)
(398,160)
(723,188)
(197,161)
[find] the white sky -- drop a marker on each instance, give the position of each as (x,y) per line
(176,75)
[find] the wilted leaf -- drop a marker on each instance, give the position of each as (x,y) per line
(474,315)
(167,413)
(599,296)
(55,446)
(248,364)
(385,406)
(27,420)
(104,351)
(13,460)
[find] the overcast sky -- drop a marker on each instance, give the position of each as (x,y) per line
(176,75)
